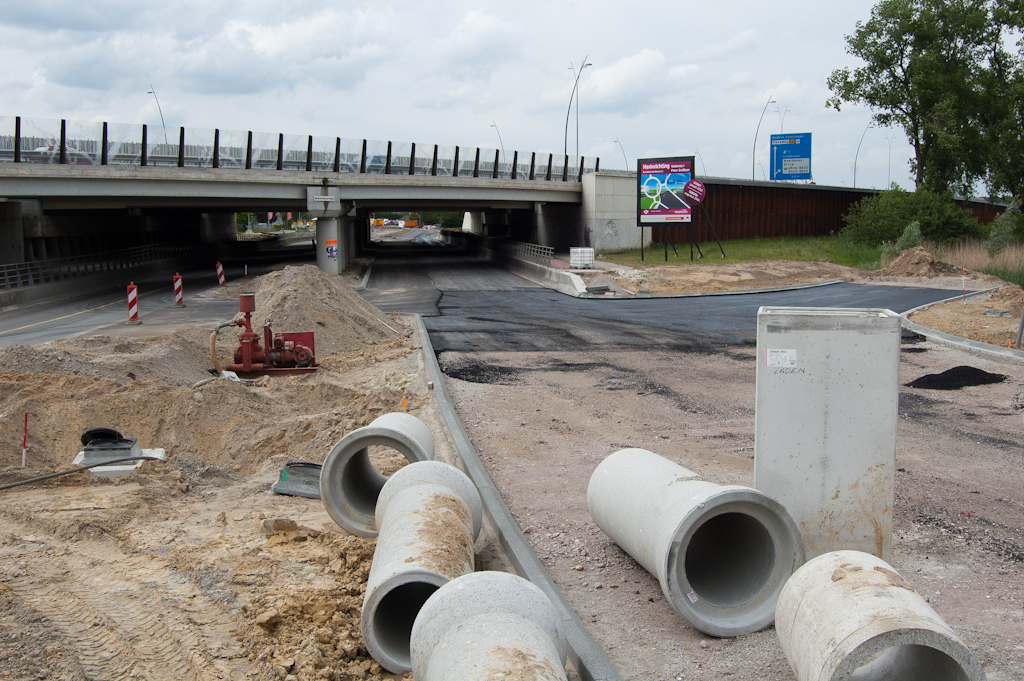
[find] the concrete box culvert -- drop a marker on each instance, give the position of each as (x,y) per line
(721,553)
(350,485)
(429,515)
(848,616)
(488,625)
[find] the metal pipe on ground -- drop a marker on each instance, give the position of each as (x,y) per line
(848,615)
(488,625)
(350,485)
(428,517)
(721,553)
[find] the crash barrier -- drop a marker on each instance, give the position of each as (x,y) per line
(350,485)
(849,615)
(488,625)
(428,518)
(721,553)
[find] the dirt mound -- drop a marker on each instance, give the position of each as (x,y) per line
(341,319)
(913,262)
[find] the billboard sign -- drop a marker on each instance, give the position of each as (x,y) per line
(791,156)
(660,184)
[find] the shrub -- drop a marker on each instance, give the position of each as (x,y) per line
(910,238)
(1005,229)
(884,217)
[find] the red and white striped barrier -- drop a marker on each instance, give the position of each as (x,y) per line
(179,294)
(133,303)
(220,275)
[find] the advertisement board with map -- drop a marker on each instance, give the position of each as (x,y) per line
(660,183)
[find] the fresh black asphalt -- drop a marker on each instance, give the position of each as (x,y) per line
(469,305)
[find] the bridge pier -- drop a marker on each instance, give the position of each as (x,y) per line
(217,227)
(559,225)
(12,233)
(329,248)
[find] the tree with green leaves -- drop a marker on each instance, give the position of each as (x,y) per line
(924,63)
(1001,113)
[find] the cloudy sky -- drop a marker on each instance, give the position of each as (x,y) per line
(666,78)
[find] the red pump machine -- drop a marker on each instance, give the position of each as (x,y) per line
(281,353)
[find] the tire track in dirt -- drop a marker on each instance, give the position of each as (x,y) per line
(128,617)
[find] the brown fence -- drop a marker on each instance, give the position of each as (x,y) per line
(743,209)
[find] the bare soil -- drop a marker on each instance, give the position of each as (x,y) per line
(192,569)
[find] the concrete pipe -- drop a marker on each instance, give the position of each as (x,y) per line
(429,516)
(488,625)
(721,553)
(350,485)
(849,615)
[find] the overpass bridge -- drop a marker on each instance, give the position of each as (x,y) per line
(71,187)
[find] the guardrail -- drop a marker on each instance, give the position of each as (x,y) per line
(541,255)
(46,141)
(26,274)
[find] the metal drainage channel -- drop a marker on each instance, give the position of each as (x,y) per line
(587,657)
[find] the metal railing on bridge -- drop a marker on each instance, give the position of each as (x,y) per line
(25,274)
(541,255)
(34,140)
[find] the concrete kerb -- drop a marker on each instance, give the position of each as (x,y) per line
(366,278)
(586,655)
(986,350)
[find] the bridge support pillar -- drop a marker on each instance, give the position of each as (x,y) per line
(217,227)
(329,245)
(12,233)
(349,225)
(559,226)
(496,224)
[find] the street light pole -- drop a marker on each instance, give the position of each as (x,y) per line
(495,126)
(888,176)
(152,91)
(565,142)
(782,119)
(702,163)
(625,160)
(753,155)
(855,156)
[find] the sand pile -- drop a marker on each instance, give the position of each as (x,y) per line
(306,299)
(913,262)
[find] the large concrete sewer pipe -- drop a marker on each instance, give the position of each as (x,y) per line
(350,485)
(848,616)
(428,516)
(488,625)
(721,553)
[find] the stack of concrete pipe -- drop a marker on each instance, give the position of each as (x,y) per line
(848,615)
(488,625)
(428,516)
(350,485)
(721,553)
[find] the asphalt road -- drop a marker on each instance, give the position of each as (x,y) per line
(469,305)
(95,312)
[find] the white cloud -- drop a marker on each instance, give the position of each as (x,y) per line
(680,78)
